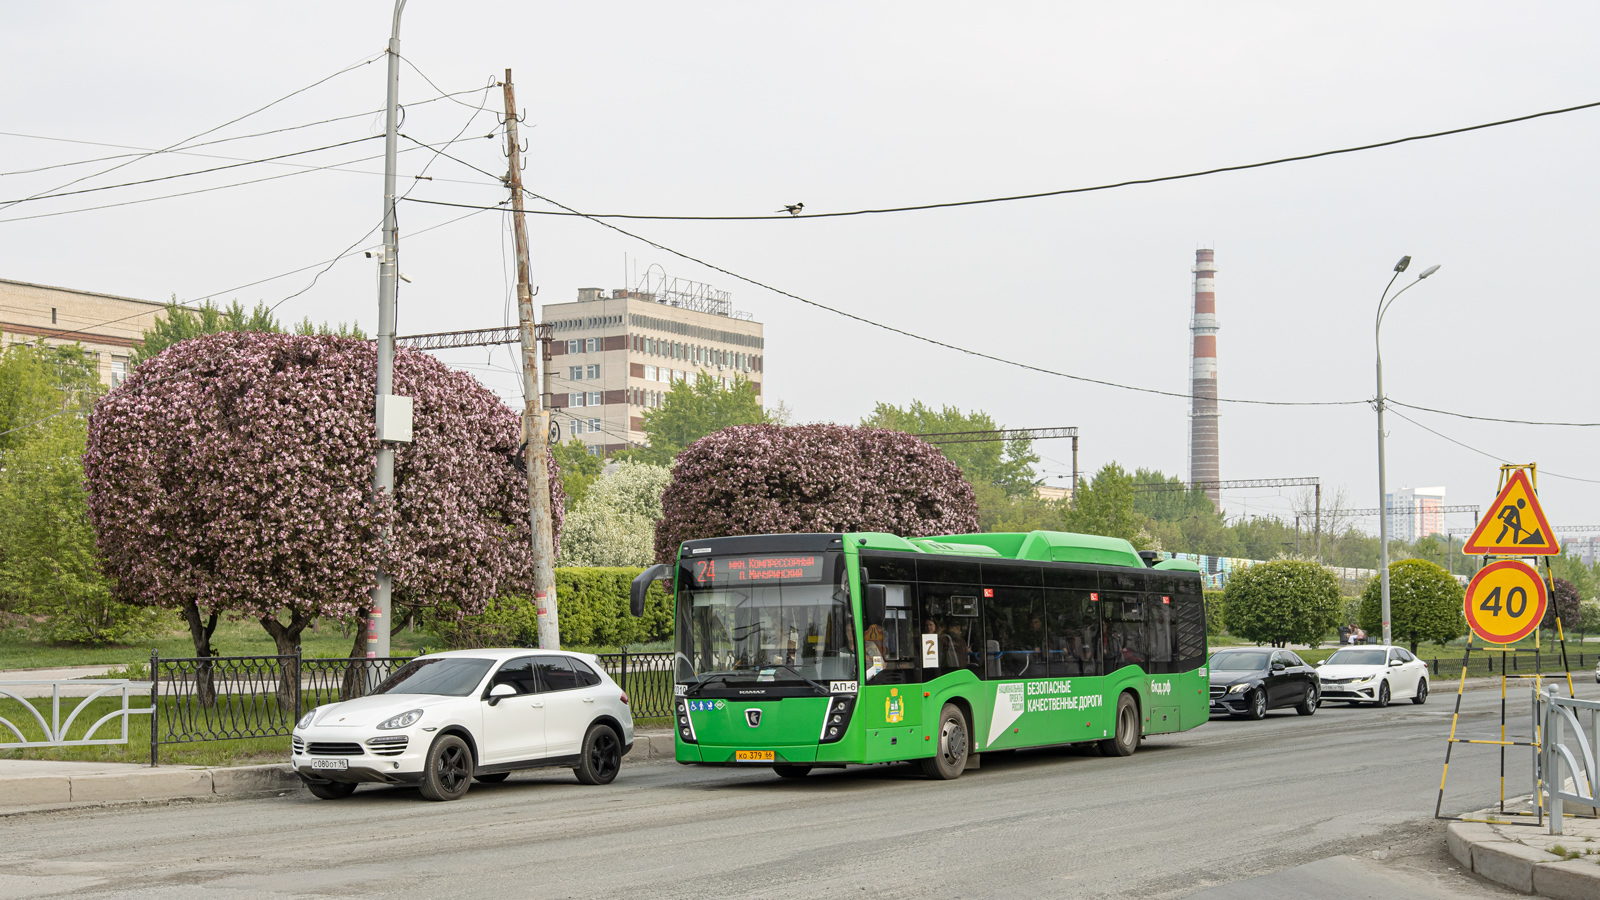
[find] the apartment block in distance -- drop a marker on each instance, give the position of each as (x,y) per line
(617,353)
(108,326)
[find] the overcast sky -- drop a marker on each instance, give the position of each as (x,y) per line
(738,109)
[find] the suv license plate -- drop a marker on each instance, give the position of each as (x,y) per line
(330,764)
(745,756)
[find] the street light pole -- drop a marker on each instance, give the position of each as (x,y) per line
(1384,302)
(378,622)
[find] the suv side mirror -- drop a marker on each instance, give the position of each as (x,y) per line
(1321,661)
(641,586)
(876,603)
(499,692)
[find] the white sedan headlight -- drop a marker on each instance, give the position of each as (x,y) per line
(404,720)
(305,720)
(1239,689)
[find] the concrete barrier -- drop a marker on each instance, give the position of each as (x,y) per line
(146,784)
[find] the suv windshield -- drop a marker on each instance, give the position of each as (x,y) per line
(1373,657)
(1240,661)
(767,633)
(450,677)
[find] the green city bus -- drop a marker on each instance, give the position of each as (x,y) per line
(802,651)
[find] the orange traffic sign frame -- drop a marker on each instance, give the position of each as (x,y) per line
(1505,601)
(1517,527)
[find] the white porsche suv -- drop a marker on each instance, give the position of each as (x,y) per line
(443,719)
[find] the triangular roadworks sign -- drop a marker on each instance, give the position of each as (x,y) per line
(1515,525)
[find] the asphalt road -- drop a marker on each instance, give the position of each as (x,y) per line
(1235,809)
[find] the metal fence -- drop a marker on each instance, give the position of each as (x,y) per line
(223,698)
(647,680)
(1567,753)
(81,695)
(1495,662)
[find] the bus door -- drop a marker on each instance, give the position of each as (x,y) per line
(891,659)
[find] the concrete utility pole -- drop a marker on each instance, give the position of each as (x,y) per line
(535,427)
(388,411)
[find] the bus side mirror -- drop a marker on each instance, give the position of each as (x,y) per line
(876,602)
(641,586)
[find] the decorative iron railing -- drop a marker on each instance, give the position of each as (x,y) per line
(57,733)
(647,680)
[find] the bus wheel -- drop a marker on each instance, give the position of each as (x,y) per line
(1126,739)
(950,756)
(792,771)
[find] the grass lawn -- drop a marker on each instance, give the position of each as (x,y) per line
(18,650)
(244,752)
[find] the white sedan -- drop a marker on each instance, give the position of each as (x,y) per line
(1373,675)
(443,719)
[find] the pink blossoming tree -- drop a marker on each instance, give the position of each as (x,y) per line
(772,479)
(232,474)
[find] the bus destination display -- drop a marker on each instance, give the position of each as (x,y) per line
(802,568)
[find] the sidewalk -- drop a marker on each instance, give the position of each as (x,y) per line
(1526,857)
(33,785)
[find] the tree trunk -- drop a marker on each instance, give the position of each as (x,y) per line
(201,627)
(1413,647)
(355,674)
(287,638)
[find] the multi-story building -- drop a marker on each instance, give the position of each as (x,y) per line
(1415,513)
(616,354)
(106,325)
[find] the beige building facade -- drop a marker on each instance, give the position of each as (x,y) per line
(108,326)
(616,354)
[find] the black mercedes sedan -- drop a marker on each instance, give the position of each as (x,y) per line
(1248,681)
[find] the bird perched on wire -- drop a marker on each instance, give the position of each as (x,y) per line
(793,210)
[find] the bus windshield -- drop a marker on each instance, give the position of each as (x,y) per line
(766,633)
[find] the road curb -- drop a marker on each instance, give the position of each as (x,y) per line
(1517,856)
(52,792)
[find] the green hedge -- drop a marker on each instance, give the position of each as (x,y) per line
(592,605)
(1214,609)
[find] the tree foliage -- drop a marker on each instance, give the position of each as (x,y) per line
(1425,604)
(232,474)
(579,468)
(1105,506)
(615,523)
(594,613)
(771,479)
(180,323)
(49,567)
(1008,465)
(39,383)
(1566,602)
(1281,602)
(689,412)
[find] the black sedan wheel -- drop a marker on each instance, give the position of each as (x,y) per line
(1310,703)
(601,759)
(1258,704)
(449,770)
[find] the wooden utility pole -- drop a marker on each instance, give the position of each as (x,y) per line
(535,427)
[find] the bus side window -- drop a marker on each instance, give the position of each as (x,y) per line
(950,612)
(1189,623)
(892,654)
(1072,633)
(1014,618)
(1123,617)
(1158,633)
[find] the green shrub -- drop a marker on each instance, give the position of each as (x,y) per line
(1215,608)
(592,604)
(1425,604)
(1282,602)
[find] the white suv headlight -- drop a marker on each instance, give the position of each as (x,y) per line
(305,720)
(404,720)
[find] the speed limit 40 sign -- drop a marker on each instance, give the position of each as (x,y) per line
(1505,602)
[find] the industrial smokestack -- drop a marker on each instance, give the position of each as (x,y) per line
(1203,455)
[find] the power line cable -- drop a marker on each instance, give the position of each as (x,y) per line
(1445,412)
(6,204)
(1089,189)
(1492,456)
(365,61)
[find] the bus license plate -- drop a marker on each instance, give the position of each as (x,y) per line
(330,764)
(749,756)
